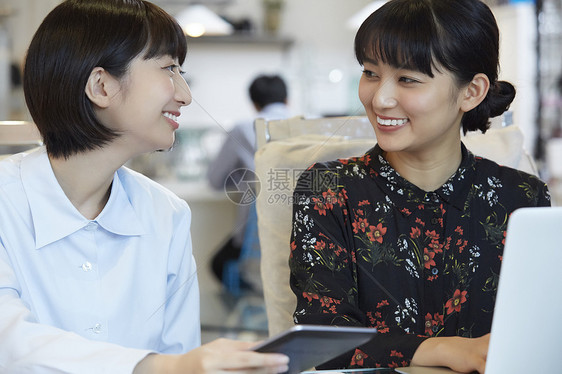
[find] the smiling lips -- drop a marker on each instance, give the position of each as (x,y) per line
(391,122)
(172,118)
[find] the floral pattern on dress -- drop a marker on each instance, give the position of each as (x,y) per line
(374,250)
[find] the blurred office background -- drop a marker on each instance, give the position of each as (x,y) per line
(309,43)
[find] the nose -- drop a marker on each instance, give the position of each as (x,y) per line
(183,93)
(385,95)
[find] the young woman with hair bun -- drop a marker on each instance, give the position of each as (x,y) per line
(408,238)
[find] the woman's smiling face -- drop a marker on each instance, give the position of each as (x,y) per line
(409,110)
(146,108)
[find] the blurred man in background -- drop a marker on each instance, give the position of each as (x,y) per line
(235,162)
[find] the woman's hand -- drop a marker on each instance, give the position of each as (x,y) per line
(219,356)
(464,355)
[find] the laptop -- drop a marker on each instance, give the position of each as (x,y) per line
(527,326)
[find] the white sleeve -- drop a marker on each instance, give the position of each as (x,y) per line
(29,347)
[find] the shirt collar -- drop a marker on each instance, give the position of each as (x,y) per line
(454,191)
(54,217)
(274,111)
(119,216)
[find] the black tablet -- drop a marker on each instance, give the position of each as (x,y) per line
(354,371)
(311,345)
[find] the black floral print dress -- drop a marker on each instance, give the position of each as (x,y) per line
(368,248)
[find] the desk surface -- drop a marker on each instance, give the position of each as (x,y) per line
(424,370)
(195,190)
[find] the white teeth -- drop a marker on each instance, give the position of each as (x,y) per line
(171,116)
(391,122)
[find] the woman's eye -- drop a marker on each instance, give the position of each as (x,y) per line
(369,74)
(408,80)
(174,69)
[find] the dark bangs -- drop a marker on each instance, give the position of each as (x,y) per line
(165,36)
(402,34)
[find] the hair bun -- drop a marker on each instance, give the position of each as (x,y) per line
(500,97)
(497,101)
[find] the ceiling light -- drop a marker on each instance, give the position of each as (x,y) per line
(197,20)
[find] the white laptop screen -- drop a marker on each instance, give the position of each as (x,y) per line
(527,325)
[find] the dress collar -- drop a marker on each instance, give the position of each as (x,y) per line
(454,191)
(53,215)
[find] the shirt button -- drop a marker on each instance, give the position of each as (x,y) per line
(434,221)
(97,329)
(86,266)
(434,271)
(91,226)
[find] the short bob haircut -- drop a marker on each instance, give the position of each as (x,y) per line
(460,36)
(76,37)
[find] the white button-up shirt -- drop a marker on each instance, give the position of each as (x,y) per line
(92,296)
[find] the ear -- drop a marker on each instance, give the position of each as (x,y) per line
(101,87)
(475,92)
